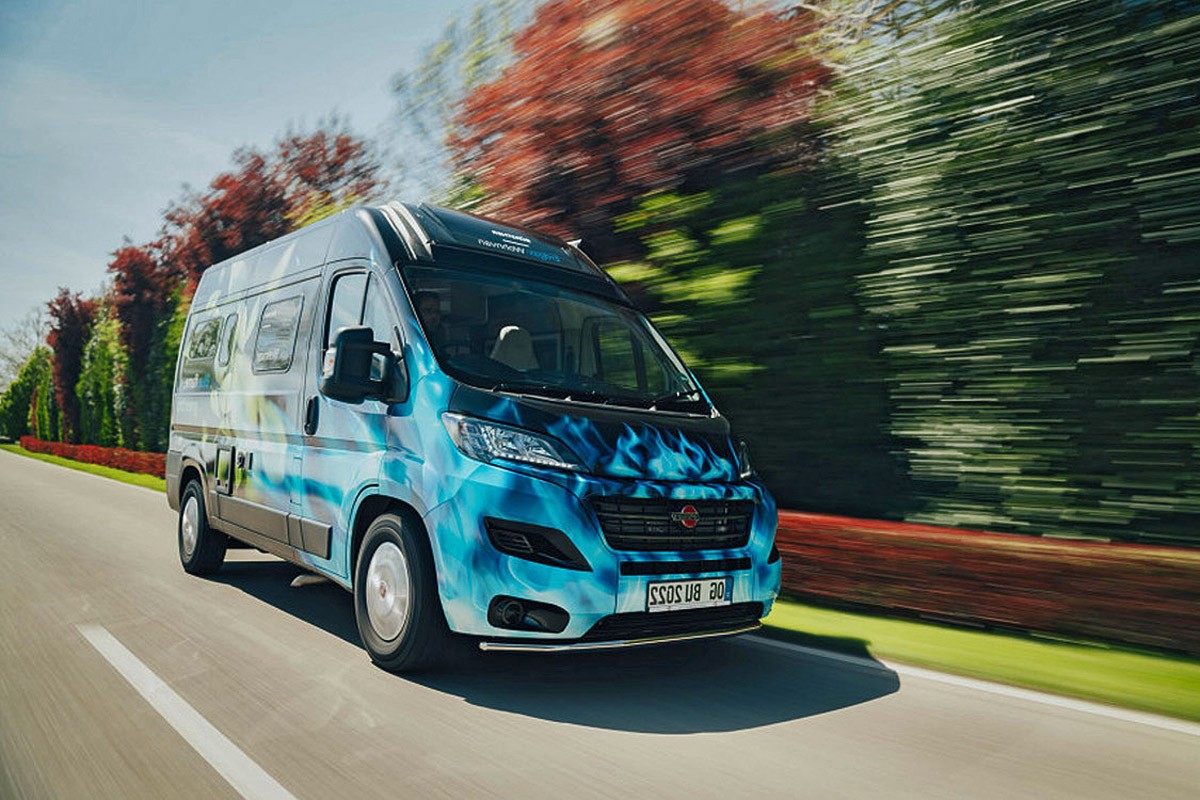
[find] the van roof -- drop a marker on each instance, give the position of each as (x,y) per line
(428,232)
(444,227)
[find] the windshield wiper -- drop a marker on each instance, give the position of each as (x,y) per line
(572,394)
(674,397)
(555,391)
(516,386)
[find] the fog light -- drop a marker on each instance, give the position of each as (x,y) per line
(526,615)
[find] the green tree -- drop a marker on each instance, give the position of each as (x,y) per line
(16,403)
(18,340)
(45,419)
(101,381)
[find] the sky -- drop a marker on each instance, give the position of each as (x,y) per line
(108,108)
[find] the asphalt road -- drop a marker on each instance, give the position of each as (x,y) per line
(279,673)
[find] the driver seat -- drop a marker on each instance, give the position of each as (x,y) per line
(514,348)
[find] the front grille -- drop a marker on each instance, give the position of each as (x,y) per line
(684,567)
(647,625)
(646,524)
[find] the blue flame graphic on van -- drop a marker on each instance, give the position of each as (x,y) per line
(665,454)
(647,458)
(642,450)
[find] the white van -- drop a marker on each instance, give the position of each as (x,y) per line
(470,427)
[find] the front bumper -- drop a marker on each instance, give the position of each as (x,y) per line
(472,571)
(563,647)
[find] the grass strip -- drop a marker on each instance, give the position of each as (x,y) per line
(1136,679)
(135,478)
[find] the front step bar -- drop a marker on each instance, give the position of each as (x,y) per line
(552,647)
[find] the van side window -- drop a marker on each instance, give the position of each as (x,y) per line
(196,369)
(203,342)
(377,313)
(276,338)
(345,303)
(226,349)
(378,316)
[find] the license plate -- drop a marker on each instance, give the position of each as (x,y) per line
(678,595)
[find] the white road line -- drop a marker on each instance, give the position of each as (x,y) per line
(877,665)
(247,777)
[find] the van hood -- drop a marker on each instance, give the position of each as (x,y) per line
(616,441)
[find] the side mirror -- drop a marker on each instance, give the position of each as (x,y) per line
(352,372)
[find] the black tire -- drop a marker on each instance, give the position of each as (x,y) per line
(406,634)
(207,547)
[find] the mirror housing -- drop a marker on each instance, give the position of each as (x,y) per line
(349,379)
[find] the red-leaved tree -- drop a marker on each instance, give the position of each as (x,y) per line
(142,292)
(242,209)
(268,195)
(71,318)
(610,99)
(327,169)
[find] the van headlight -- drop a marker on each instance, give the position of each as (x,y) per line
(488,441)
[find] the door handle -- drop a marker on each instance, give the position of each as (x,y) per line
(312,415)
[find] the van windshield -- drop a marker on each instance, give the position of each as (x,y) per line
(520,335)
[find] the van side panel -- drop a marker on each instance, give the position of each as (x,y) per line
(239,402)
(341,458)
(262,408)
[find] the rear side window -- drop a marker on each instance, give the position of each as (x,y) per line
(203,342)
(196,366)
(276,338)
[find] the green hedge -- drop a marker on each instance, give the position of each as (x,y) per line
(1033,250)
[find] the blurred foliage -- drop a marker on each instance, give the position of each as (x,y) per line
(1032,262)
(324,171)
(264,197)
(100,387)
(608,100)
(1131,593)
(428,96)
(970,301)
(755,283)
